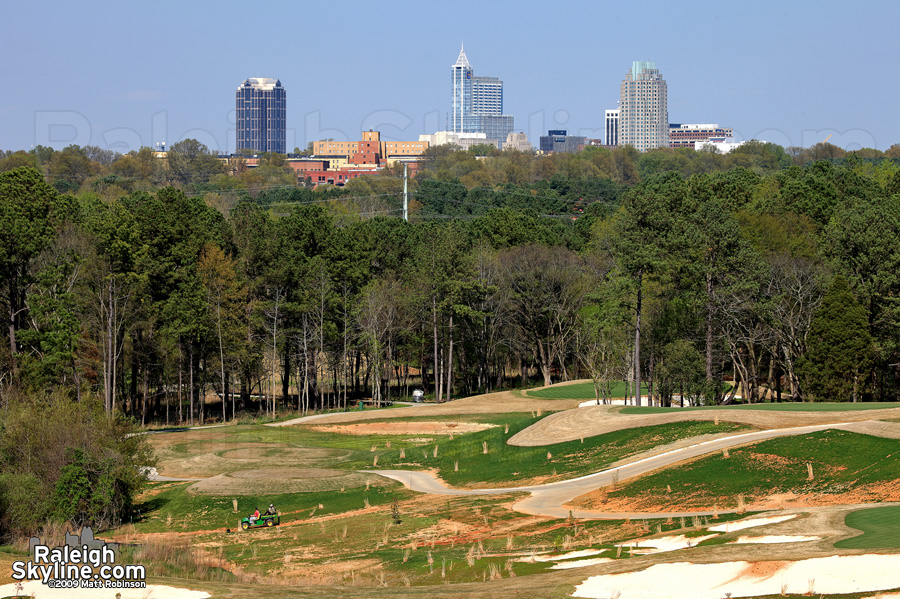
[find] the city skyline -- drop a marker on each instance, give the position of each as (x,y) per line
(130,76)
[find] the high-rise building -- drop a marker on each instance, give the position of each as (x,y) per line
(517,141)
(612,127)
(487,95)
(460,120)
(643,108)
(557,141)
(476,103)
(261,124)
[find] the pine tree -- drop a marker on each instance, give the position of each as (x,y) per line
(839,346)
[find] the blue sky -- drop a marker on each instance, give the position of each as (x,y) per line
(122,74)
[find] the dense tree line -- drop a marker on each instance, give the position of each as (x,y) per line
(676,279)
(169,290)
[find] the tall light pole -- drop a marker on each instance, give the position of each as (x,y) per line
(405,193)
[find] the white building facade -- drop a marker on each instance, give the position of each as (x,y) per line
(643,108)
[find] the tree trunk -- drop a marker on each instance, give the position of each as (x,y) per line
(13,349)
(544,363)
(637,339)
(710,307)
(450,362)
(437,374)
(191,379)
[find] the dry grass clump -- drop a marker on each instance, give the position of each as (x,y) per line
(162,555)
(470,556)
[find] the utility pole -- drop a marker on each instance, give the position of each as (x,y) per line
(405,193)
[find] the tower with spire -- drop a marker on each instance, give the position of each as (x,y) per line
(461,76)
(476,103)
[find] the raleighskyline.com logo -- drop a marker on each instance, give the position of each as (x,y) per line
(91,565)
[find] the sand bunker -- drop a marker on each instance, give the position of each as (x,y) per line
(581,563)
(774,539)
(283,480)
(663,544)
(38,590)
(562,556)
(405,428)
(751,523)
(684,580)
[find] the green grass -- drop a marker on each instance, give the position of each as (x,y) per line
(841,460)
(577,391)
(513,464)
(361,536)
(775,407)
(880,528)
(502,463)
(193,512)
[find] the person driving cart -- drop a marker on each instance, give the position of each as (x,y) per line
(254,517)
(271,511)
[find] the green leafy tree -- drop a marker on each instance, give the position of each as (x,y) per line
(190,161)
(642,240)
(67,461)
(30,213)
(840,346)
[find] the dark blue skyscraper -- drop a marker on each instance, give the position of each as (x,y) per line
(261,124)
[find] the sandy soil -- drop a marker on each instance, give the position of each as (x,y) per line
(770,539)
(202,460)
(581,563)
(685,580)
(663,544)
(596,420)
(751,523)
(405,428)
(283,480)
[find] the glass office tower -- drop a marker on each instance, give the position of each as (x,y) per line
(261,124)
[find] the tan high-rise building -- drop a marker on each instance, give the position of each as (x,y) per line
(643,108)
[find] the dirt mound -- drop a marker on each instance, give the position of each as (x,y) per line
(501,402)
(283,480)
(405,428)
(240,457)
(597,420)
(287,473)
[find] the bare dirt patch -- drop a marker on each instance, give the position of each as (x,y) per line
(283,480)
(598,500)
(405,428)
(238,456)
(761,570)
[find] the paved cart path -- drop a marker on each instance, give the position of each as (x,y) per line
(550,499)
